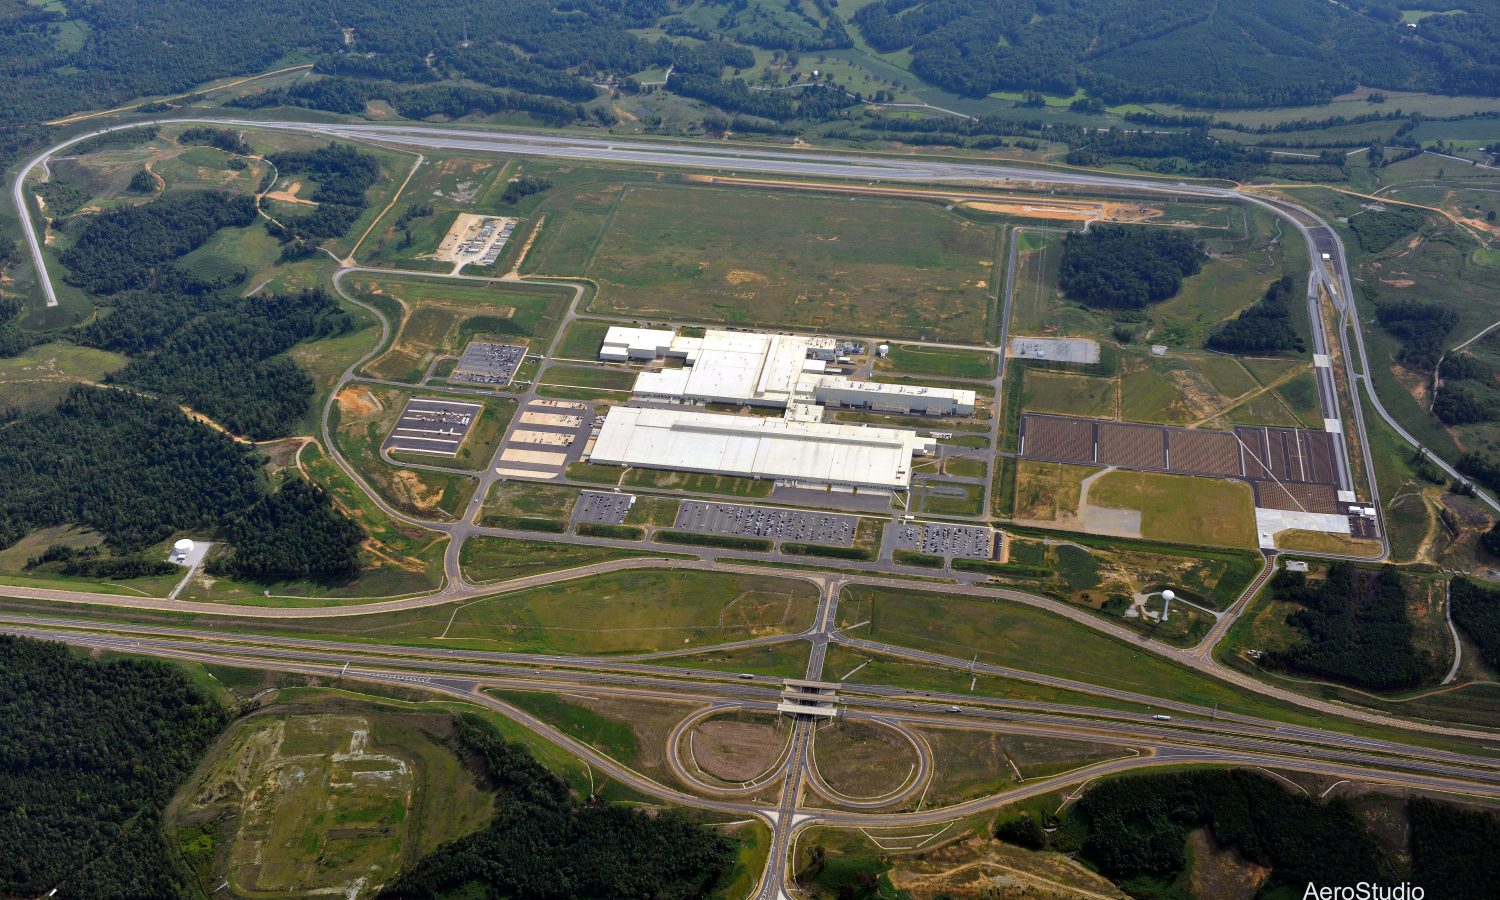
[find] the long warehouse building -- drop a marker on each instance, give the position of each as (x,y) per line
(790,452)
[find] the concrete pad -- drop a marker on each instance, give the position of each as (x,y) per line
(554,419)
(539,457)
(525,473)
(552,438)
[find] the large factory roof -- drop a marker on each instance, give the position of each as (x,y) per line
(780,449)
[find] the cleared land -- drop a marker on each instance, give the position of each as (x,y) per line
(486,559)
(748,257)
(307,802)
(737,747)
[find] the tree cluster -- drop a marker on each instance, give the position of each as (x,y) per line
(1422,327)
(543,845)
(1265,327)
(222,138)
(1127,267)
(524,186)
(294,533)
(90,753)
(1476,609)
(223,356)
(1356,627)
(135,469)
(1377,230)
(342,174)
(132,247)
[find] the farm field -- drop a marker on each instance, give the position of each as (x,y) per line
(439,317)
(703,254)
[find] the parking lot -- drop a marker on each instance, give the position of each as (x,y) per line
(432,426)
(962,541)
(829,529)
(599,508)
(484,363)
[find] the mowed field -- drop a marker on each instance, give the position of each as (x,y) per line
(1182,509)
(753,257)
(638,612)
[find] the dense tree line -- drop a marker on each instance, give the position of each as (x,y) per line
(1356,627)
(1265,327)
(90,753)
(291,534)
(222,355)
(13,338)
(812,103)
(342,174)
(1476,609)
(1274,53)
(1137,827)
(544,845)
(135,469)
(1422,327)
(133,247)
(1452,848)
(1127,267)
(1377,230)
(223,138)
(89,562)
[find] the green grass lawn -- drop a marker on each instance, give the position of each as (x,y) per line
(917,359)
(1182,509)
(601,377)
(581,339)
(43,374)
(694,482)
(486,559)
(1091,396)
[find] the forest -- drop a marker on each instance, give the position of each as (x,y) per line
(1127,267)
(342,175)
(90,753)
(1476,610)
(1265,327)
(544,845)
(222,355)
(132,247)
(291,534)
(1272,53)
(1355,626)
(1135,829)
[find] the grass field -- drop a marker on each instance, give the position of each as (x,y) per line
(725,255)
(635,612)
(916,359)
(692,482)
(581,339)
(43,375)
(511,504)
(299,800)
(601,377)
(1070,395)
(1182,509)
(439,317)
(1010,634)
(861,760)
(486,559)
(947,498)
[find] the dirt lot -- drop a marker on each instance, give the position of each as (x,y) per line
(737,749)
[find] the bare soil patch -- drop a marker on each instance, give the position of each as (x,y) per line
(736,750)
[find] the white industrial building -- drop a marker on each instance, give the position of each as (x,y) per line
(786,450)
(777,370)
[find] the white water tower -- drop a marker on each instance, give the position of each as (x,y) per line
(1166,602)
(181,549)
